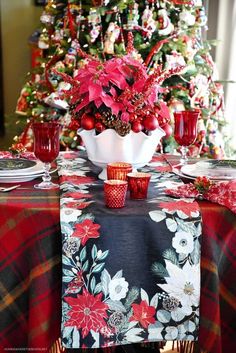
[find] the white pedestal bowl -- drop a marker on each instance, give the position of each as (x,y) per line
(108,146)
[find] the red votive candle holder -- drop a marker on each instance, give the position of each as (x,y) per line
(115,193)
(118,170)
(138,185)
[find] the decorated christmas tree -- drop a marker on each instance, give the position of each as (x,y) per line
(165,36)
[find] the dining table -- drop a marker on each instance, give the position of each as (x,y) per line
(34,299)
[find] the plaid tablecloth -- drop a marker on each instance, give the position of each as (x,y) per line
(218,277)
(30,272)
(30,269)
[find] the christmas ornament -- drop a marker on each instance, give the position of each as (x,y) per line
(174,60)
(58,36)
(94,20)
(47,19)
(187,18)
(43,42)
(112,34)
(87,122)
(150,122)
(70,58)
(168,130)
(136,126)
(148,23)
(133,17)
(165,27)
(74,125)
(175,105)
(97,2)
(201,17)
(99,127)
(199,85)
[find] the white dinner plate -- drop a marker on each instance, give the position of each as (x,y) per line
(181,175)
(19,167)
(22,178)
(212,169)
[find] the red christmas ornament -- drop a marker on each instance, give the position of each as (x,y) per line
(99,126)
(97,2)
(87,122)
(150,122)
(168,130)
(137,126)
(74,125)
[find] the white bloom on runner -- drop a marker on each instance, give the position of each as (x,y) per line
(183,242)
(183,283)
(118,287)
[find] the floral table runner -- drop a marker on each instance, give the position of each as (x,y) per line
(129,275)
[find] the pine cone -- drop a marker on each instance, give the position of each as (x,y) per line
(108,119)
(122,128)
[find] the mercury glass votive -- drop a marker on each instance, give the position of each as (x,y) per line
(118,170)
(138,185)
(115,193)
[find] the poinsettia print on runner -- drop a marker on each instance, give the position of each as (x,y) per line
(88,312)
(101,308)
(143,313)
(86,230)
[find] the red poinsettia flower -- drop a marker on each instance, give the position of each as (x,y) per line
(164,169)
(143,313)
(76,180)
(87,312)
(77,205)
(184,206)
(120,86)
(158,158)
(69,155)
(78,195)
(86,230)
(76,283)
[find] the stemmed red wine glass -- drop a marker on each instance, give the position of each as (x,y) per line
(46,149)
(185,131)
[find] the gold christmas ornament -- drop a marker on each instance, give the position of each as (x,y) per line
(175,105)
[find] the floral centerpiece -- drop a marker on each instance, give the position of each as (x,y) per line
(118,95)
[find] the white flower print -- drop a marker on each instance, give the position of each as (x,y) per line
(155,331)
(183,242)
(69,214)
(118,287)
(183,284)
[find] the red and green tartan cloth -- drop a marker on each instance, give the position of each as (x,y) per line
(30,269)
(30,273)
(218,277)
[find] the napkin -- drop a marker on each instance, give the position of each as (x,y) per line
(223,193)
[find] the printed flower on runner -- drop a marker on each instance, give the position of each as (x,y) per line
(187,207)
(118,287)
(183,283)
(87,312)
(86,230)
(143,313)
(76,284)
(183,242)
(69,214)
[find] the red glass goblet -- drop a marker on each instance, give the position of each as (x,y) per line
(185,131)
(46,149)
